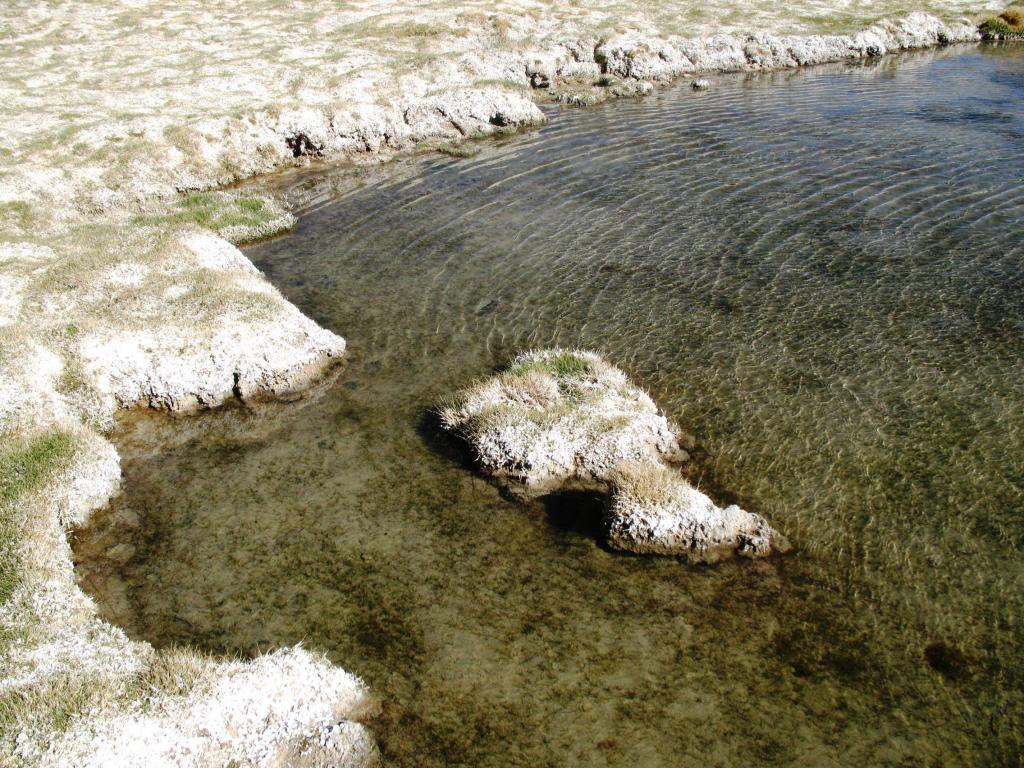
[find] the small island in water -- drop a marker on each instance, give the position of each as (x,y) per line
(566,420)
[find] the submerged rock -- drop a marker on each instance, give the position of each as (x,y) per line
(559,420)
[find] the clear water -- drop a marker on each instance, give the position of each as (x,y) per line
(818,272)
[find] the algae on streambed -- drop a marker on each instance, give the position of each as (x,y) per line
(821,278)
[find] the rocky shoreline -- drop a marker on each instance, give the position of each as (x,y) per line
(117,293)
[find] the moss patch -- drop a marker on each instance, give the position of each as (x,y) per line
(450,148)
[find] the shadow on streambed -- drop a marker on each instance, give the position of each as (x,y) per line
(578,512)
(573,512)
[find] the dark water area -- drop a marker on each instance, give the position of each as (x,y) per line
(819,273)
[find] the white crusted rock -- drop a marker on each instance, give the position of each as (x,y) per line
(467,113)
(642,58)
(561,420)
(652,510)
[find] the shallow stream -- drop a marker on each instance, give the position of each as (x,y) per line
(819,273)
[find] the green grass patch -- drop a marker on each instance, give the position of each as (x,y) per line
(216,211)
(25,466)
(54,704)
(562,365)
(994,27)
(19,212)
(1010,23)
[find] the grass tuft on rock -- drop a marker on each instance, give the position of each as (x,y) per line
(537,388)
(647,484)
(560,365)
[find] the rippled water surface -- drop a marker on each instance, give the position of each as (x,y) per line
(818,272)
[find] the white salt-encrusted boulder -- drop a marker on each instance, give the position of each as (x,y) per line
(652,510)
(561,420)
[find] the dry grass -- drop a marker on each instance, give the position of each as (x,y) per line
(1014,16)
(490,420)
(27,463)
(53,704)
(646,485)
(1009,23)
(174,671)
(533,389)
(235,218)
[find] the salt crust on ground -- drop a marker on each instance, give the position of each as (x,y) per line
(110,107)
(564,420)
(286,708)
(218,344)
(112,110)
